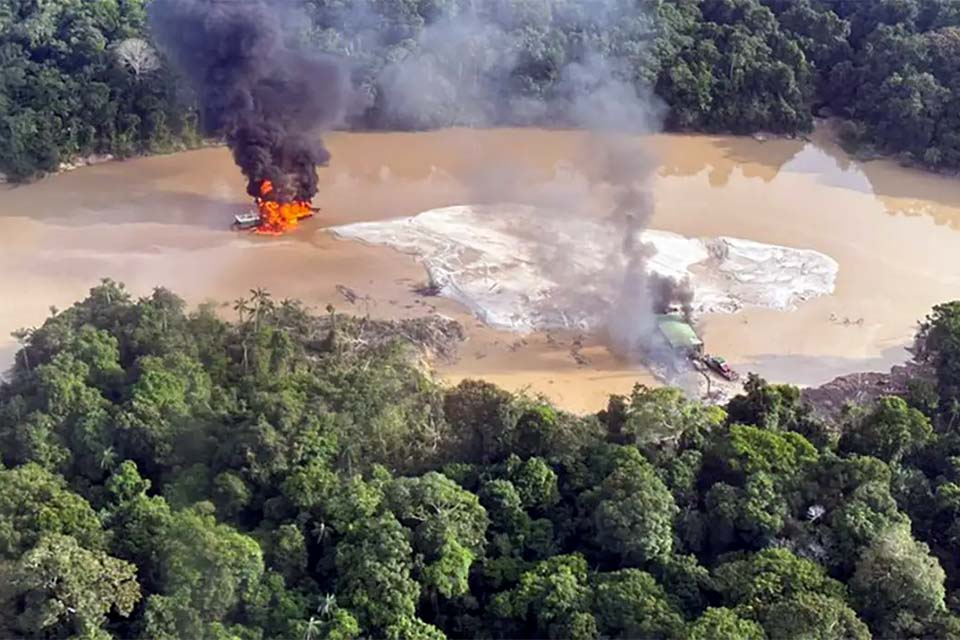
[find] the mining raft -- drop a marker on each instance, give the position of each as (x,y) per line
(246,220)
(683,339)
(679,335)
(250,219)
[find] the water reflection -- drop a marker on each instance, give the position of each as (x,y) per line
(898,190)
(829,168)
(723,157)
(808,370)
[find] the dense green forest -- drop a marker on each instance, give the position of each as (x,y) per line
(169,474)
(80,76)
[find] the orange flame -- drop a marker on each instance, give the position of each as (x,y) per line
(278,217)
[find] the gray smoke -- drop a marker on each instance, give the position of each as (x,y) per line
(619,114)
(442,63)
(459,63)
(463,70)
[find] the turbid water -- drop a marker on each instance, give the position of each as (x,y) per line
(164,221)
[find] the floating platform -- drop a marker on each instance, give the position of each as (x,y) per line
(247,220)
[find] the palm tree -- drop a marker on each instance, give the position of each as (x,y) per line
(262,302)
(328,604)
(22,337)
(108,458)
(313,625)
(320,531)
(348,455)
(954,412)
(332,339)
(242,307)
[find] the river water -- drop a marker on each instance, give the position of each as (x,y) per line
(164,221)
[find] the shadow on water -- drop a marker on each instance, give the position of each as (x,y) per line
(191,209)
(758,160)
(899,190)
(143,206)
(725,157)
(817,370)
(826,161)
(914,192)
(7,353)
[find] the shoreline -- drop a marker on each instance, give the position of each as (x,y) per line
(95,159)
(445,367)
(822,126)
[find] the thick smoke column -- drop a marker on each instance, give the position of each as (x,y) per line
(270,101)
(619,115)
(463,71)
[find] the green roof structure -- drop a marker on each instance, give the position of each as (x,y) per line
(678,333)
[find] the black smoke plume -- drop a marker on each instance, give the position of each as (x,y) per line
(268,99)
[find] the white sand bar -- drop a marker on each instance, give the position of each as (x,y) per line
(525,269)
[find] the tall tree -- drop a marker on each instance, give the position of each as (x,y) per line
(898,585)
(59,588)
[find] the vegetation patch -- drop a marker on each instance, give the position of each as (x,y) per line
(168,473)
(83,78)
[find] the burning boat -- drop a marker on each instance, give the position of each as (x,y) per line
(271,216)
(267,98)
(246,220)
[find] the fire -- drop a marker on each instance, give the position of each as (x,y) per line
(278,217)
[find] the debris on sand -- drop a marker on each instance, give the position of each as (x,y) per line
(846,321)
(829,400)
(348,294)
(517,344)
(576,352)
(427,290)
(435,337)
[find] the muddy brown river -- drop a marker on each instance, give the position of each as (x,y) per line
(164,221)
